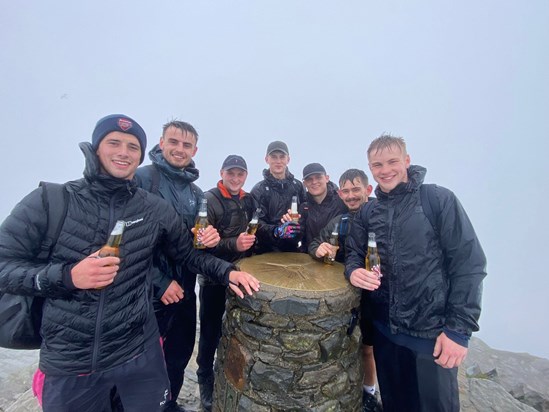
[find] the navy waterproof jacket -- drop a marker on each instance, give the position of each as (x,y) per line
(432,278)
(93,330)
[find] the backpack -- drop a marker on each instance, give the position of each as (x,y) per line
(21,316)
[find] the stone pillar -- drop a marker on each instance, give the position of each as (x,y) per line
(288,347)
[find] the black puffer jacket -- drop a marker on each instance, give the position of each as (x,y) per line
(93,330)
(429,282)
(315,216)
(274,198)
(177,187)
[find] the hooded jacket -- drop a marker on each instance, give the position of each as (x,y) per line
(177,187)
(315,216)
(431,279)
(94,330)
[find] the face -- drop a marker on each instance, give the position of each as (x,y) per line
(317,184)
(233,179)
(178,147)
(354,193)
(119,155)
(389,167)
(277,161)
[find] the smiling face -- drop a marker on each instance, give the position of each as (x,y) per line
(389,167)
(178,147)
(317,185)
(119,155)
(233,179)
(354,193)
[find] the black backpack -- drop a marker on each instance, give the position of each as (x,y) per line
(21,316)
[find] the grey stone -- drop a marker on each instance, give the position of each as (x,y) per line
(295,306)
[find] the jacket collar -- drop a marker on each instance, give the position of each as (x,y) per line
(187,174)
(416,175)
(225,193)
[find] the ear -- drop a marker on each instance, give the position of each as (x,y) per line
(195,150)
(266,158)
(161,143)
(369,189)
(407,161)
(221,173)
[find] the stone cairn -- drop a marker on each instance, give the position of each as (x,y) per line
(288,347)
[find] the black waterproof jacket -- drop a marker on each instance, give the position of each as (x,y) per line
(230,217)
(274,198)
(315,216)
(177,187)
(430,281)
(93,330)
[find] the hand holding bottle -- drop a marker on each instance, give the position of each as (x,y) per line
(93,272)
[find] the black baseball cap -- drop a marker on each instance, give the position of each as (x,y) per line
(233,161)
(277,146)
(313,169)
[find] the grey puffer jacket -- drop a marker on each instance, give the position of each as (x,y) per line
(93,330)
(429,282)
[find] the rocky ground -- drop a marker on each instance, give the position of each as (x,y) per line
(490,380)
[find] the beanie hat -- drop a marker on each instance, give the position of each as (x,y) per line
(119,123)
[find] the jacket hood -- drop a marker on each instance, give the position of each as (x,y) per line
(92,172)
(188,174)
(416,175)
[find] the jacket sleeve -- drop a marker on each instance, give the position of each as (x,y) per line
(324,236)
(465,264)
(356,243)
(21,236)
(178,244)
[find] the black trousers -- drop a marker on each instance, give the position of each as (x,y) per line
(412,381)
(141,383)
(212,308)
(179,335)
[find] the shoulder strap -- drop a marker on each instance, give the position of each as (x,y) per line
(226,218)
(155,179)
(430,204)
(55,200)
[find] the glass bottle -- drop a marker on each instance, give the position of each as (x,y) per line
(293,210)
(334,241)
(252,226)
(200,224)
(112,247)
(372,256)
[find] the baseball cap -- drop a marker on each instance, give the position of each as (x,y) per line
(312,169)
(233,161)
(277,145)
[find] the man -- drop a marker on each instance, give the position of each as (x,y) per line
(354,191)
(274,197)
(229,210)
(322,204)
(171,177)
(427,302)
(98,325)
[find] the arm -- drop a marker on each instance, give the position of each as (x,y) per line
(319,246)
(21,235)
(465,264)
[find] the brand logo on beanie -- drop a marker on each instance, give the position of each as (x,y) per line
(124,124)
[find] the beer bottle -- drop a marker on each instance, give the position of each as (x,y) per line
(200,224)
(112,247)
(372,257)
(252,226)
(293,210)
(329,258)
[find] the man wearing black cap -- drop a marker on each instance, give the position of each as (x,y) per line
(323,202)
(229,209)
(274,197)
(171,176)
(98,325)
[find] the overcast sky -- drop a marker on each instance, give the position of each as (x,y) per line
(465,83)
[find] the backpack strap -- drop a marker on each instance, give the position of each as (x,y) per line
(55,199)
(155,178)
(430,205)
(226,218)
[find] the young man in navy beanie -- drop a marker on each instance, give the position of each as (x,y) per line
(119,123)
(98,328)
